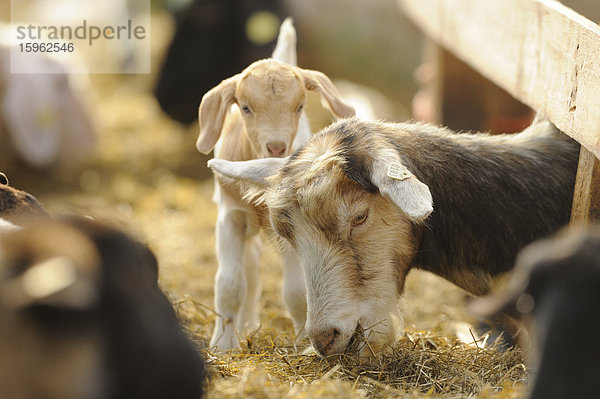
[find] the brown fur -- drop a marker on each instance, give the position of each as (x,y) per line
(444,161)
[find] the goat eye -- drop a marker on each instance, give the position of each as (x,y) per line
(360,219)
(300,108)
(246,110)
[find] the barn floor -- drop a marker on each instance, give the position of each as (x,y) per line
(148,178)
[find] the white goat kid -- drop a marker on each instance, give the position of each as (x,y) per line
(256,114)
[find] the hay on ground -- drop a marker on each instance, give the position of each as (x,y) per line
(272,364)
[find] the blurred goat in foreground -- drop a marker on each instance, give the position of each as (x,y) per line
(83,317)
(556,289)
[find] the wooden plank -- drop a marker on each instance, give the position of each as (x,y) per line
(540,51)
(586,198)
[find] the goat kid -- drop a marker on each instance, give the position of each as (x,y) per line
(365,202)
(555,289)
(256,114)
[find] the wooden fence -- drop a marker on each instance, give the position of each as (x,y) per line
(541,52)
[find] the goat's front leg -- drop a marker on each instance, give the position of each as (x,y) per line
(230,281)
(294,289)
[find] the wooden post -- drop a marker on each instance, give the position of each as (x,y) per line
(586,198)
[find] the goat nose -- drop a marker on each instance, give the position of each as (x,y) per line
(324,341)
(276,148)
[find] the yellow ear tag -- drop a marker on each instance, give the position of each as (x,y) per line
(398,172)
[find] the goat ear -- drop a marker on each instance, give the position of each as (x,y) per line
(514,300)
(285,50)
(57,282)
(494,304)
(537,266)
(255,171)
(399,185)
(62,273)
(212,111)
(317,81)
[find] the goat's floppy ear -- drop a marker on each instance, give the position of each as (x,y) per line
(56,282)
(212,111)
(318,81)
(538,266)
(35,270)
(255,171)
(514,300)
(399,185)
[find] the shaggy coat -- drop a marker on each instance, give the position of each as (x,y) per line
(365,202)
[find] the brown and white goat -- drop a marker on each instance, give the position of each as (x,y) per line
(556,288)
(365,202)
(256,114)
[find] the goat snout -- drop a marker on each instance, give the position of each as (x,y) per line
(326,341)
(276,148)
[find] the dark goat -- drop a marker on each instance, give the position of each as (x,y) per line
(82,317)
(209,45)
(556,285)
